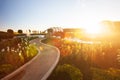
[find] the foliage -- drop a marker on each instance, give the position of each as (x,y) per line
(10,31)
(14,53)
(106,74)
(102,56)
(31,38)
(10,43)
(5,35)
(118,56)
(47,41)
(5,69)
(20,31)
(66,72)
(31,51)
(70,55)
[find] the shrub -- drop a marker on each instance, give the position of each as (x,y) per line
(14,53)
(66,72)
(5,69)
(103,74)
(31,51)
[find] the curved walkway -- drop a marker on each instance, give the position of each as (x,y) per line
(42,66)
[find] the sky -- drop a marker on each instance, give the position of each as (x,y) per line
(42,14)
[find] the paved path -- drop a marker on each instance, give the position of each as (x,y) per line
(42,66)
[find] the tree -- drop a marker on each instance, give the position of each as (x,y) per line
(29,31)
(20,31)
(10,31)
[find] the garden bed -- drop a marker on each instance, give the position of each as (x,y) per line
(15,53)
(89,61)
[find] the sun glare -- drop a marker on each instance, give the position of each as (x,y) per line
(93,30)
